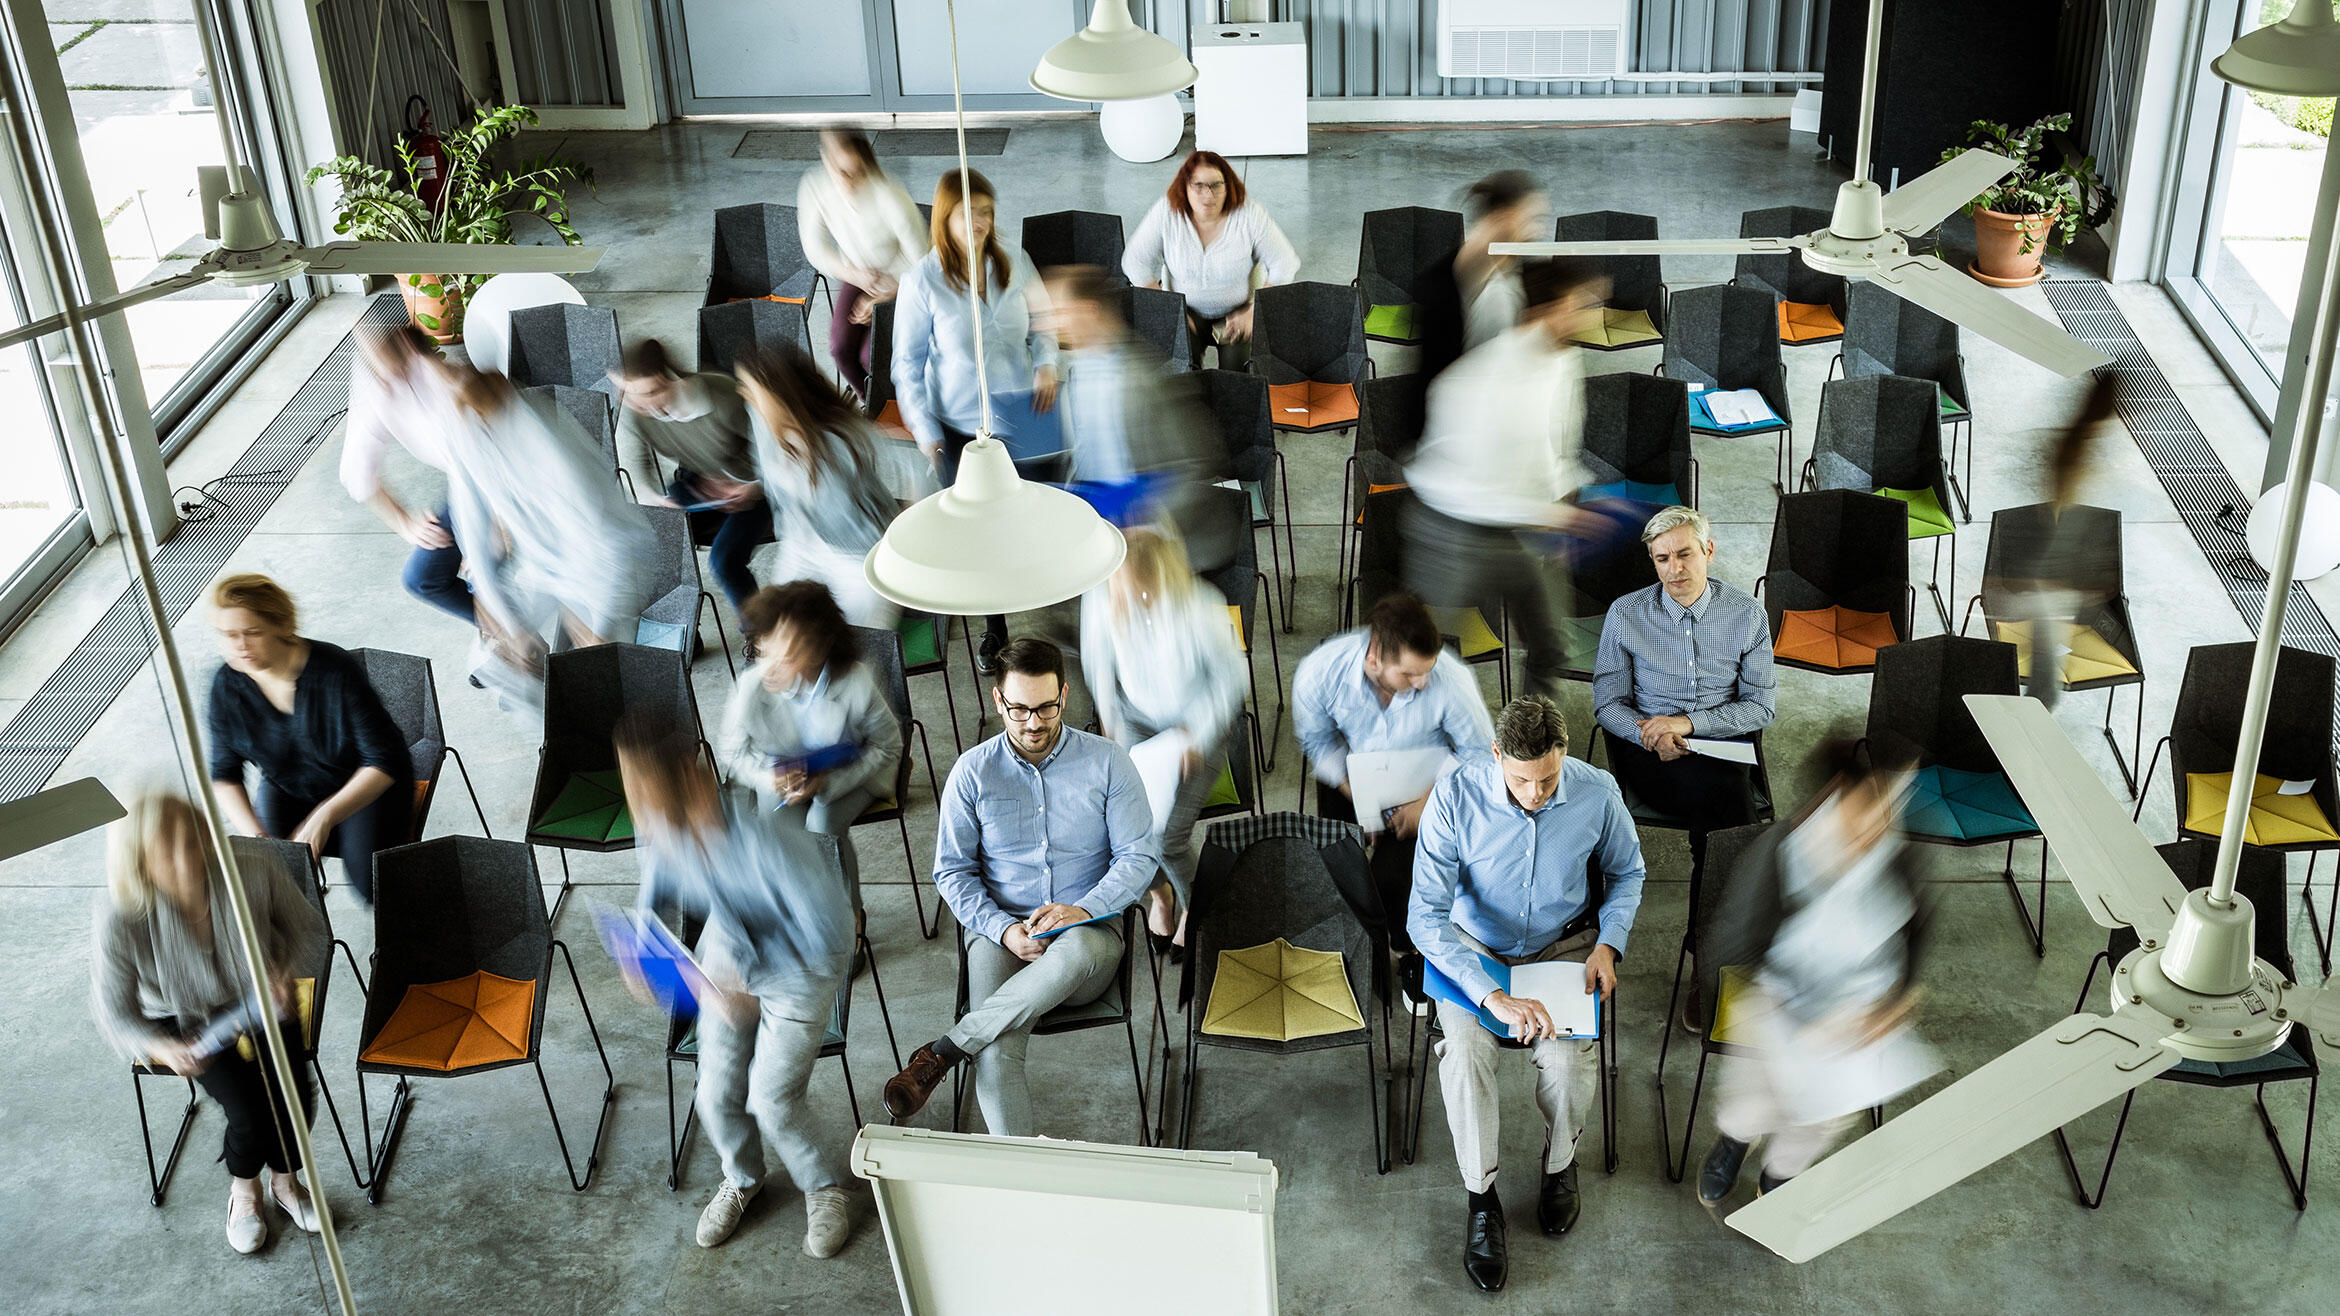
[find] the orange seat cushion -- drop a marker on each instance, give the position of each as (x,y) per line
(422,795)
(1802,322)
(774,297)
(1371,490)
(889,419)
(1833,637)
(1309,405)
(463,1023)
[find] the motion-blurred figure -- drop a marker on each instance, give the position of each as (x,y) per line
(699,423)
(859,227)
(777,938)
(1126,420)
(171,989)
(817,455)
(560,555)
(2052,578)
(1497,457)
(402,394)
(1480,296)
(1820,931)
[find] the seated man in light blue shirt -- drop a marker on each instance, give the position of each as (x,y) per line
(1505,870)
(1043,829)
(1389,686)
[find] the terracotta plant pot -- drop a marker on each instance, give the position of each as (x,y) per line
(435,304)
(1999,240)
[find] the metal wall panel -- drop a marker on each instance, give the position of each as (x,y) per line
(378,53)
(2100,57)
(564,53)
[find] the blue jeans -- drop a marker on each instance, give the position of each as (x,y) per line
(433,575)
(737,536)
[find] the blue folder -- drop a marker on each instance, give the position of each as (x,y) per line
(1701,418)
(1028,434)
(1443,988)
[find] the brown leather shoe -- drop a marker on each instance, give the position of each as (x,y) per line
(908,1092)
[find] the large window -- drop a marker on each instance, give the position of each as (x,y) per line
(36,493)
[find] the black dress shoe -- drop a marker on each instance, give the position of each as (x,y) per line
(1766,1182)
(1557,1206)
(1486,1252)
(1722,1170)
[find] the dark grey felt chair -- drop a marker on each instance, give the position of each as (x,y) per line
(677,592)
(1721,337)
(1308,343)
(1075,237)
(728,328)
(586,693)
(410,694)
(448,908)
(1787,277)
(1636,283)
(1157,317)
(565,344)
(1885,334)
(1390,414)
(1238,404)
(1399,252)
(1842,549)
(1882,434)
(592,414)
(1637,439)
(758,254)
(882,650)
(1266,878)
(1242,584)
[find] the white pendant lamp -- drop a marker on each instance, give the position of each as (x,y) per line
(2299,56)
(1112,59)
(993,543)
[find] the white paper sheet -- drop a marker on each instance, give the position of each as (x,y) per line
(1160,762)
(1734,751)
(2295,787)
(1381,778)
(1738,406)
(1559,985)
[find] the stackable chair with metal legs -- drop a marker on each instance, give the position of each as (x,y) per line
(1887,334)
(1074,237)
(1811,301)
(1244,587)
(882,650)
(1882,434)
(1238,403)
(1837,589)
(1720,337)
(410,694)
(1398,253)
(1636,312)
(1637,440)
(758,255)
(1157,318)
(678,593)
(1308,343)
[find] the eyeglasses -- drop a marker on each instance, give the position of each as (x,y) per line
(1047,712)
(1199,185)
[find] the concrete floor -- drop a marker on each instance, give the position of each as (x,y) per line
(478,1215)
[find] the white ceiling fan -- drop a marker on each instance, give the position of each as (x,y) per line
(2191,990)
(253,250)
(1868,238)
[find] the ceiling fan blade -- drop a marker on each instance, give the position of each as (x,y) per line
(1933,196)
(2115,870)
(2317,1009)
(52,815)
(2082,1062)
(121,301)
(448,258)
(1656,247)
(1970,305)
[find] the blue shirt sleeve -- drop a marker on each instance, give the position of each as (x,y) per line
(958,857)
(1437,873)
(1312,717)
(1462,714)
(913,357)
(1612,688)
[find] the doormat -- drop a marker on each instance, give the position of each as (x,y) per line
(892,143)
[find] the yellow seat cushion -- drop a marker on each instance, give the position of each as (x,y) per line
(1833,637)
(1235,621)
(2091,658)
(1617,329)
(1727,1021)
(304,1008)
(462,1023)
(1473,637)
(1804,322)
(1281,992)
(1309,405)
(2274,818)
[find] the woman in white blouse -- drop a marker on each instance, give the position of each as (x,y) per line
(1160,658)
(807,729)
(1202,240)
(859,227)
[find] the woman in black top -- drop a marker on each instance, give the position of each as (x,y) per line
(335,774)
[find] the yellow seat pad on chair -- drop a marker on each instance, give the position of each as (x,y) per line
(1473,637)
(462,1023)
(2274,819)
(1618,329)
(1281,992)
(1727,1018)
(2089,657)
(1804,322)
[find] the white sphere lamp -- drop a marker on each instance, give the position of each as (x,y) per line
(2319,531)
(1143,131)
(1112,59)
(487,313)
(992,543)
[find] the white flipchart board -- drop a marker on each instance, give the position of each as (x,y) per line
(1071,1227)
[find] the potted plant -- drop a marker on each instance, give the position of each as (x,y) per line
(2039,205)
(476,202)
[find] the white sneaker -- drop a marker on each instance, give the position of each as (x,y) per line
(246,1229)
(828,1222)
(292,1196)
(721,1217)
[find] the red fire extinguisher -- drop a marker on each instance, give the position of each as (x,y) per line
(430,154)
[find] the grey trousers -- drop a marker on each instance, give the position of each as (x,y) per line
(1008,996)
(755,1073)
(1452,563)
(1565,1073)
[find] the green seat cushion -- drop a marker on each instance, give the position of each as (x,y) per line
(1395,322)
(1958,805)
(1224,792)
(1927,518)
(921,640)
(1580,640)
(1952,408)
(591,807)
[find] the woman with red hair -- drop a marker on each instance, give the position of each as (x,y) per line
(1203,239)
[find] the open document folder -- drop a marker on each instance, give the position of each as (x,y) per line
(1281,992)
(1382,779)
(1558,985)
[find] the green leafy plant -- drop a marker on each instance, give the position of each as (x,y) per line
(2067,190)
(477,203)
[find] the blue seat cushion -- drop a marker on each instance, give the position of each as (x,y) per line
(1954,804)
(1657,495)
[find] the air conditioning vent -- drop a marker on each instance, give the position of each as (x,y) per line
(1533,40)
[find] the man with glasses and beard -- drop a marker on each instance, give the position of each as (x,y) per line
(1045,836)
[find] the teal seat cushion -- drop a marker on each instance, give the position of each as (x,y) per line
(1957,805)
(832,1037)
(1952,408)
(1658,495)
(1392,322)
(1580,641)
